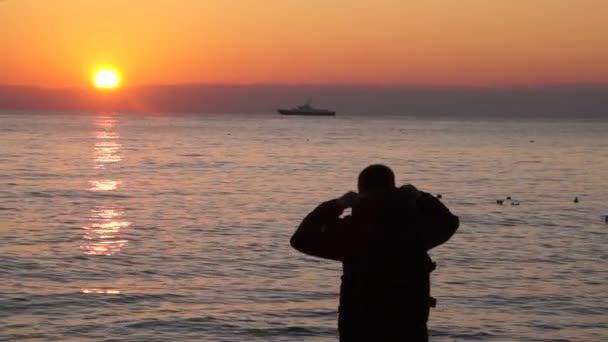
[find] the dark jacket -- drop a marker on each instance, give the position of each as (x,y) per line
(383,245)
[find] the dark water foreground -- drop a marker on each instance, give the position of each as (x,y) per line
(117,227)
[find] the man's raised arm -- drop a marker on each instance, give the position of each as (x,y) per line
(438,223)
(322,232)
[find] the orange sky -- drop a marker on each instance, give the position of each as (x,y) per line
(440,42)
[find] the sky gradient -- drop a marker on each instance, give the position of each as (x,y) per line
(457,43)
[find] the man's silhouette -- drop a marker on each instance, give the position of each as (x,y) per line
(383,245)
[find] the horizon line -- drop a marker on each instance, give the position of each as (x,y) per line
(446,86)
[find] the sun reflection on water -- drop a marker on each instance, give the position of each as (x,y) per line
(100,291)
(103,231)
(103,185)
(106,135)
(106,152)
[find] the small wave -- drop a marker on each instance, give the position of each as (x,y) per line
(527,162)
(469,336)
(128,298)
(221,326)
(107,195)
(186,324)
(60,301)
(511,222)
(292,331)
(191,155)
(39,194)
(75,194)
(467,204)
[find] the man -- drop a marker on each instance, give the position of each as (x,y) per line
(383,245)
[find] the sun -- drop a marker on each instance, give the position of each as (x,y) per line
(106,78)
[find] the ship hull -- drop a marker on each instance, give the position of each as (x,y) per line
(297,112)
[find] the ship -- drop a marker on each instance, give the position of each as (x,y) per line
(306,109)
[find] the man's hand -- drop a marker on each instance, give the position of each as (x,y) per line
(348,199)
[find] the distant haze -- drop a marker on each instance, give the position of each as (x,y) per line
(558,101)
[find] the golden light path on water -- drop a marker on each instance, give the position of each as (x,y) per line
(103,229)
(102,232)
(107,147)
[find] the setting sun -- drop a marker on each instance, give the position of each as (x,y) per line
(106,78)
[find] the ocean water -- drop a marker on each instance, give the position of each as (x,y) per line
(117,227)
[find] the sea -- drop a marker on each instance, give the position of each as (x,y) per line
(126,227)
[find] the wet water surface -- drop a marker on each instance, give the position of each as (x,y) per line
(157,228)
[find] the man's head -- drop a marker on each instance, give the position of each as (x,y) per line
(376,178)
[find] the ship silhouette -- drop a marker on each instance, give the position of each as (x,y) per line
(306,109)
